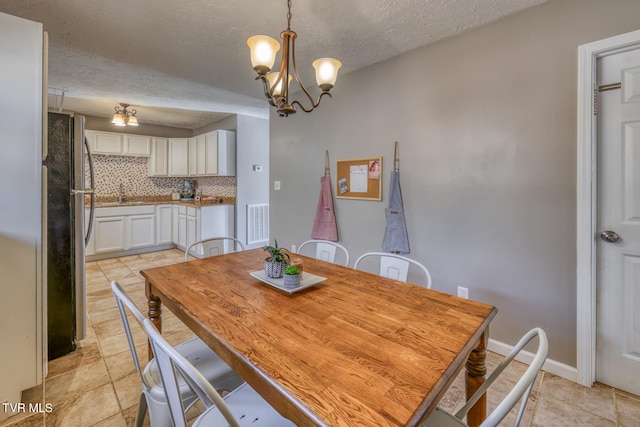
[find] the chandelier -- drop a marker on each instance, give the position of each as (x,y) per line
(124,117)
(263,55)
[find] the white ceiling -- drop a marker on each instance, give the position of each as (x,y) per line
(185,63)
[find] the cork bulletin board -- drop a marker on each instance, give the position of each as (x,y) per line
(359,179)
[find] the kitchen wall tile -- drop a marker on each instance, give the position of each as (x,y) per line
(111,171)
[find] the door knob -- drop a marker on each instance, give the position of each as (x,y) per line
(610,236)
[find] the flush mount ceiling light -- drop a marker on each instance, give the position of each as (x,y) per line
(263,55)
(124,117)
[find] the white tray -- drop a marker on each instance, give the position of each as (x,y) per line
(307,280)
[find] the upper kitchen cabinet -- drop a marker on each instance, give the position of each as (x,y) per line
(213,153)
(221,153)
(178,157)
(197,156)
(118,144)
(209,154)
(137,145)
(158,163)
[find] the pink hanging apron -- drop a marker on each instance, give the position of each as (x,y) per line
(324,224)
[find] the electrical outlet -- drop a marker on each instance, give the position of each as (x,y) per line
(276,185)
(463,292)
(293,249)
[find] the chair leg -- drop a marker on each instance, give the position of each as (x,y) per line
(142,411)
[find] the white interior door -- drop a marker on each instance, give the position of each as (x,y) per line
(618,223)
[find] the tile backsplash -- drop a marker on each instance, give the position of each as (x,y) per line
(111,171)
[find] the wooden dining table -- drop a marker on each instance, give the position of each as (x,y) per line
(355,349)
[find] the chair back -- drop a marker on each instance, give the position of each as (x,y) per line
(326,250)
(523,387)
(123,300)
(395,266)
(212,247)
(173,365)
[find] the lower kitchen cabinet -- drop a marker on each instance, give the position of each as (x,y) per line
(164,224)
(140,231)
(174,224)
(195,224)
(124,230)
(188,226)
(109,235)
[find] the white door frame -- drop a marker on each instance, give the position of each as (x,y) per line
(587,198)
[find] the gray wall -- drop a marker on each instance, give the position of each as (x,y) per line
(228,123)
(252,148)
(487,129)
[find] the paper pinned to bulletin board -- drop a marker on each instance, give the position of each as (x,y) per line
(359,179)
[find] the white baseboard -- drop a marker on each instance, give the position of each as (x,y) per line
(553,367)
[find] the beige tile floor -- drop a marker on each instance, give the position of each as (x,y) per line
(97,384)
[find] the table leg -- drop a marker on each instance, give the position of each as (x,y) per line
(475,377)
(155,312)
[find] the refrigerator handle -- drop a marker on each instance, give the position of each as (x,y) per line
(91,193)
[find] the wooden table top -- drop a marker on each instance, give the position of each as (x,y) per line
(354,350)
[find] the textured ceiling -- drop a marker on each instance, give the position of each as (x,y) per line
(191,55)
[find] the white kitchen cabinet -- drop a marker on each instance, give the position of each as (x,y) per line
(211,153)
(113,143)
(182,227)
(188,226)
(178,157)
(158,164)
(140,231)
(193,152)
(164,224)
(109,233)
(174,224)
(192,229)
(220,153)
(124,228)
(197,156)
(207,222)
(136,145)
(104,142)
(195,224)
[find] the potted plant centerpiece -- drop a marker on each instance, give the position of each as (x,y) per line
(291,277)
(276,262)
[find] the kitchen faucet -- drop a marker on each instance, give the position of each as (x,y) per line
(122,198)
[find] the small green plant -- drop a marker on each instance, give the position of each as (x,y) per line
(276,253)
(292,269)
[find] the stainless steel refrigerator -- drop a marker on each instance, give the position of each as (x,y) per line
(66,188)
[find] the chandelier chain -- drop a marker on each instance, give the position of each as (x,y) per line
(289,15)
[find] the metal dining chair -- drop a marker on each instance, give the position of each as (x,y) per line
(152,397)
(394,266)
(521,391)
(326,250)
(242,407)
(212,246)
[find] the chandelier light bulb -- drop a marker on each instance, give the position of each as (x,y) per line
(263,53)
(326,72)
(276,89)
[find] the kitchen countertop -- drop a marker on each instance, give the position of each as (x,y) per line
(102,202)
